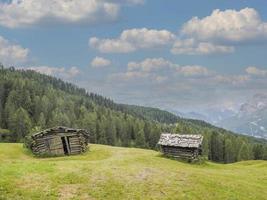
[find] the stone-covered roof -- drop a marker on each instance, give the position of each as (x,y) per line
(191,141)
(59,129)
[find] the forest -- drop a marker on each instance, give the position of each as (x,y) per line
(30,102)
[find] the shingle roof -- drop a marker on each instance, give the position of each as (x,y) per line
(168,139)
(58,129)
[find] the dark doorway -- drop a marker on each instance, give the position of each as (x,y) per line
(66,145)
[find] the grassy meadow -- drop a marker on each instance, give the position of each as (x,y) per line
(107,172)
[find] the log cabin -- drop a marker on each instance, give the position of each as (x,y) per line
(187,147)
(59,141)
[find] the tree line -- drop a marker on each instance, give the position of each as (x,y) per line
(30,102)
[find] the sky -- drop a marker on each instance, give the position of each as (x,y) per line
(175,55)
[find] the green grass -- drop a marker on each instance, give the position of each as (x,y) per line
(125,173)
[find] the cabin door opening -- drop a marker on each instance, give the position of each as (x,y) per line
(66,145)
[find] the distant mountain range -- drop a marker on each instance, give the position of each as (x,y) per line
(250,119)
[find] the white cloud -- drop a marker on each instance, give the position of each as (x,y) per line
(192,47)
(56,71)
(231,79)
(159,70)
(227,26)
(98,62)
(154,66)
(129,75)
(47,70)
(129,2)
(148,69)
(111,45)
(133,39)
(256,71)
(73,71)
(220,32)
(151,64)
(161,79)
(21,13)
(12,54)
(193,71)
(161,82)
(147,38)
(214,34)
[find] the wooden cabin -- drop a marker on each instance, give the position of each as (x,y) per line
(59,141)
(187,147)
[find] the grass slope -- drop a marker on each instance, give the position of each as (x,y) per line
(125,173)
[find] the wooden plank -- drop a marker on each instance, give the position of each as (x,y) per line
(56,146)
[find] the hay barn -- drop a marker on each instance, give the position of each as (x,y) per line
(181,146)
(59,141)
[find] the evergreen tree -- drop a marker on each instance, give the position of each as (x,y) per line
(140,139)
(110,132)
(216,147)
(20,124)
(264,156)
(59,119)
(243,153)
(258,151)
(229,154)
(41,121)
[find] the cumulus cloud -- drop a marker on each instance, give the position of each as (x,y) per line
(56,71)
(129,76)
(133,39)
(220,32)
(73,71)
(164,83)
(99,62)
(215,34)
(129,2)
(12,54)
(160,70)
(256,71)
(231,79)
(229,25)
(21,13)
(111,45)
(192,47)
(193,71)
(148,69)
(151,64)
(158,65)
(161,79)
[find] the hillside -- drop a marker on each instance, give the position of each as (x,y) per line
(30,102)
(107,172)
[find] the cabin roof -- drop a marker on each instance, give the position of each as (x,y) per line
(59,129)
(191,141)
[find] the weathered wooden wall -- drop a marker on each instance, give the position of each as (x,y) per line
(78,144)
(52,144)
(178,152)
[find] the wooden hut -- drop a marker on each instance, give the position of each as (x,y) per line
(181,146)
(59,141)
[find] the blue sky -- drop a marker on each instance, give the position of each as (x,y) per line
(147,52)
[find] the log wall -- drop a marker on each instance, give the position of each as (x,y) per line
(178,152)
(52,144)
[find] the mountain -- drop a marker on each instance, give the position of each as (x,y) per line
(251,118)
(215,115)
(211,115)
(195,115)
(30,102)
(110,173)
